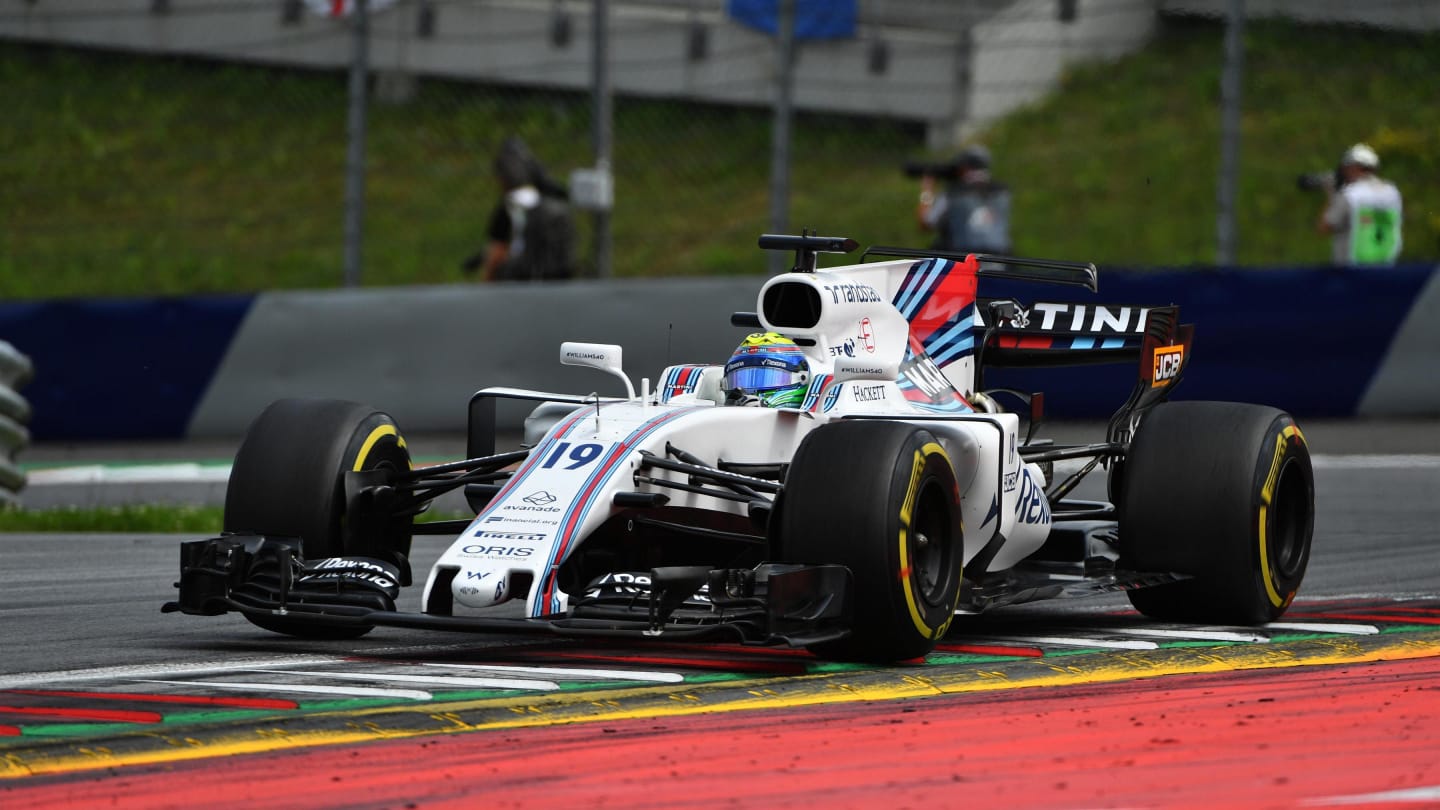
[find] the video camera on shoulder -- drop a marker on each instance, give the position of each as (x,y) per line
(973,157)
(948,170)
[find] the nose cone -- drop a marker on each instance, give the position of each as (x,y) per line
(479,589)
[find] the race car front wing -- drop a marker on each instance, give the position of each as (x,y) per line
(266,577)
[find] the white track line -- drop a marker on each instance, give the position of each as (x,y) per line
(138,474)
(562,672)
(428,680)
(141,672)
(1065,641)
(1417,795)
(1319,627)
(1194,635)
(310,689)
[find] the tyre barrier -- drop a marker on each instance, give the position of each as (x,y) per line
(15,371)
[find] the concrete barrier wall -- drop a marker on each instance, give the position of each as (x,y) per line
(511,43)
(420,352)
(1316,341)
(949,64)
(1324,341)
(120,368)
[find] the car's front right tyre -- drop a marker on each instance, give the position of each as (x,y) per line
(288,479)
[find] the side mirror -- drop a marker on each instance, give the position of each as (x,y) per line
(1000,312)
(604,356)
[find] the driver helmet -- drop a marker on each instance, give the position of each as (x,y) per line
(767,367)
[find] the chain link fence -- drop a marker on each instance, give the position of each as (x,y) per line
(181,146)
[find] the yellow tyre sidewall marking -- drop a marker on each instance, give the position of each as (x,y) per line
(1267,492)
(907,510)
(375,436)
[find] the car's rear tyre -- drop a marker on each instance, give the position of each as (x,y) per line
(881,499)
(288,480)
(1222,492)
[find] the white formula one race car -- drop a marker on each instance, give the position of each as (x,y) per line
(843,484)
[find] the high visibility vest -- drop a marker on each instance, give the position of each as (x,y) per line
(1375,215)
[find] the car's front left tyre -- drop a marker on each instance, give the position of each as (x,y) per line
(880,498)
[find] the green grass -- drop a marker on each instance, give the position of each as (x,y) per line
(121,175)
(1120,165)
(130,518)
(136,518)
(125,176)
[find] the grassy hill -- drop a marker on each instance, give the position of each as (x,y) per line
(1120,164)
(121,175)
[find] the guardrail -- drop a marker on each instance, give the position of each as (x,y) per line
(15,371)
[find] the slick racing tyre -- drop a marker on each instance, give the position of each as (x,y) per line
(288,480)
(1224,493)
(879,498)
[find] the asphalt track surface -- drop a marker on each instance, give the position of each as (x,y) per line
(1058,704)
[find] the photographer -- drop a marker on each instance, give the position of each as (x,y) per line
(1362,212)
(531,234)
(973,213)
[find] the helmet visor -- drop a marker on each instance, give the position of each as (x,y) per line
(761,378)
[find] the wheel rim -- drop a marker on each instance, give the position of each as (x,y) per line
(1289,528)
(931,543)
(393,538)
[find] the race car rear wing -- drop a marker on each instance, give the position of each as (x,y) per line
(1047,271)
(1045,333)
(1048,333)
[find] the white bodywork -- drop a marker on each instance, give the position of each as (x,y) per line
(857,350)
